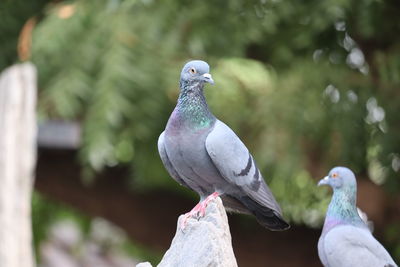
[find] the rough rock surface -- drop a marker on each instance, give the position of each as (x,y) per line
(144,264)
(203,242)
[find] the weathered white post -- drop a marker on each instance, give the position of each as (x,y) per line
(17,161)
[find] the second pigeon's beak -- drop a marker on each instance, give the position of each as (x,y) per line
(324,181)
(208,78)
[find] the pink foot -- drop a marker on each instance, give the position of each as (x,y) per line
(199,210)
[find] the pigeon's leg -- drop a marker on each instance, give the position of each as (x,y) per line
(204,203)
(199,209)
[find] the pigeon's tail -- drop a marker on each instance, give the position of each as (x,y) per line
(267,217)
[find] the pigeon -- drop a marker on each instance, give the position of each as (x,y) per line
(346,239)
(202,153)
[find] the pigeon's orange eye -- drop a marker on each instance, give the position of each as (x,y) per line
(334,175)
(192,71)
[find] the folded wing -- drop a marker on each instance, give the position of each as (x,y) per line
(237,166)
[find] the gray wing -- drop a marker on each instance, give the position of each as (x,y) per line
(167,163)
(237,166)
(353,246)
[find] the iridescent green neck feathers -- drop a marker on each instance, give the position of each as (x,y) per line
(193,107)
(343,209)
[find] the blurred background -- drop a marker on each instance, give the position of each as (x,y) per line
(307,85)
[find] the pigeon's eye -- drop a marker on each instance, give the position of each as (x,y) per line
(192,70)
(334,175)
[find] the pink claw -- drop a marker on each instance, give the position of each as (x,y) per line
(199,210)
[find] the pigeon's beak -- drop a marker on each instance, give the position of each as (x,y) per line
(324,181)
(208,78)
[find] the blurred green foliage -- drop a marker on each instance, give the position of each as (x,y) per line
(13,15)
(316,82)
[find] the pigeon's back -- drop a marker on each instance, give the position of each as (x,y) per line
(350,246)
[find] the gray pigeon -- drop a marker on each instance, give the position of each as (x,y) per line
(204,154)
(346,239)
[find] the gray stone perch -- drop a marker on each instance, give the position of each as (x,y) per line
(203,242)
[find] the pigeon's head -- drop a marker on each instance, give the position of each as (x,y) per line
(196,72)
(339,177)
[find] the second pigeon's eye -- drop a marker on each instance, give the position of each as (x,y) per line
(192,70)
(334,175)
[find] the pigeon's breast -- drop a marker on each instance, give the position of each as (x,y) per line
(186,150)
(321,250)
